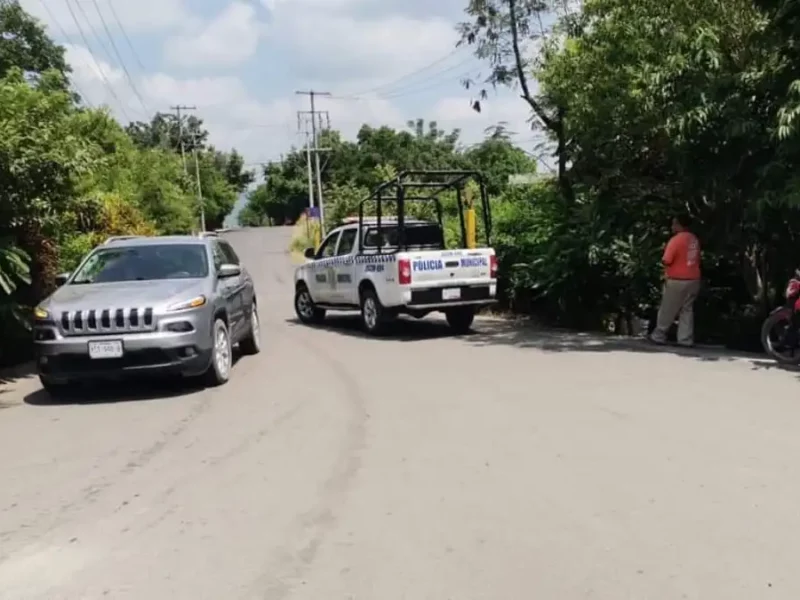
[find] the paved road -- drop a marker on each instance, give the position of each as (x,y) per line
(503,466)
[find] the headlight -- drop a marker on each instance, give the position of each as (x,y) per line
(193,303)
(40,314)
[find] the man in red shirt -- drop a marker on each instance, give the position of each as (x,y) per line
(682,284)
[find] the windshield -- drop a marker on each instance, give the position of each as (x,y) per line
(144,263)
(417,234)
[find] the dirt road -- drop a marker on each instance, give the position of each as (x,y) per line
(507,465)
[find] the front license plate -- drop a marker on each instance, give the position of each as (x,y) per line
(105,349)
(451,294)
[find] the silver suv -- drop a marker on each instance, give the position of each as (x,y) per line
(147,305)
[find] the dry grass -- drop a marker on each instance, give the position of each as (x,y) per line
(303,235)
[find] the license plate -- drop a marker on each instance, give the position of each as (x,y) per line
(451,294)
(105,349)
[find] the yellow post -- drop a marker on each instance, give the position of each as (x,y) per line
(469,219)
(317,235)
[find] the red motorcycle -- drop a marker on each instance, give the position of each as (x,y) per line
(780,333)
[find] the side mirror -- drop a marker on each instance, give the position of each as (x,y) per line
(226,271)
(310,253)
(61,278)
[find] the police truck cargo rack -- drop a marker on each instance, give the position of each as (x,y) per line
(384,266)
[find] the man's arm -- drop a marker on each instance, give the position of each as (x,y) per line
(669,251)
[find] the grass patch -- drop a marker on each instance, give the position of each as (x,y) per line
(304,235)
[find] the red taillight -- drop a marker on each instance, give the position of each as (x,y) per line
(404,271)
(493,266)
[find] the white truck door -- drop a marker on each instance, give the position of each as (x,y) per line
(323,279)
(344,265)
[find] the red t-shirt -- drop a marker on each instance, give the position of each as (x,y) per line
(682,256)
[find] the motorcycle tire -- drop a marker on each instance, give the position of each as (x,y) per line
(766,329)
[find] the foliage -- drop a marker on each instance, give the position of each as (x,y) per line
(655,108)
(353,169)
(24,44)
(70,177)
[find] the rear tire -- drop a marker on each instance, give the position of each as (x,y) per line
(251,343)
(219,371)
(460,319)
(373,315)
(781,318)
(305,308)
(57,391)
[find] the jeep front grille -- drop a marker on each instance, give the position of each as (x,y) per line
(107,321)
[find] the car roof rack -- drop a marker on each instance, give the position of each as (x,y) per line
(122,238)
(205,234)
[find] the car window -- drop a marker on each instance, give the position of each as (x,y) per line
(144,263)
(219,256)
(230,256)
(328,246)
(346,242)
(417,234)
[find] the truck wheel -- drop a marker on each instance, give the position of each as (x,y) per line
(251,343)
(219,371)
(460,319)
(305,308)
(373,315)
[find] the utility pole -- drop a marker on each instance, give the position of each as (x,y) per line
(178,108)
(308,162)
(312,95)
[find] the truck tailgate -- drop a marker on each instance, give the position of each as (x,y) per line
(439,268)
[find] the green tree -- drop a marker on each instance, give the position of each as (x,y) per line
(25,45)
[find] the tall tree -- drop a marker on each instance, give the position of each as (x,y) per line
(513,36)
(24,44)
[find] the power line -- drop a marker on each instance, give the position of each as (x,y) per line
(407,75)
(119,57)
(125,35)
(52,17)
(94,59)
(178,108)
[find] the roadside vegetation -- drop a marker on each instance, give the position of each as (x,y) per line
(70,175)
(644,108)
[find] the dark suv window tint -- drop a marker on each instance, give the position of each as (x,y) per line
(144,263)
(418,234)
(219,256)
(230,255)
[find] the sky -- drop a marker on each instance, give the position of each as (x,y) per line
(240,63)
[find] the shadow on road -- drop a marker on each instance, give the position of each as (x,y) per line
(140,389)
(113,392)
(525,336)
(400,330)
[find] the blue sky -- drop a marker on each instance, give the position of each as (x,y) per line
(241,61)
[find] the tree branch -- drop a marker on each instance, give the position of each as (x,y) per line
(523,78)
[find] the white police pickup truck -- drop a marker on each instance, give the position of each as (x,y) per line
(362,267)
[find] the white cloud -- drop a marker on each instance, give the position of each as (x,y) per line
(358,49)
(263,130)
(328,5)
(229,39)
(134,16)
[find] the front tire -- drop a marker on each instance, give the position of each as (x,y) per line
(305,308)
(251,343)
(773,345)
(219,371)
(460,319)
(373,314)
